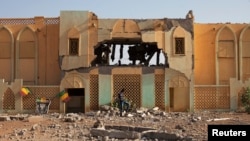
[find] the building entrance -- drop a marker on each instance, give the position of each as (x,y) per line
(76,103)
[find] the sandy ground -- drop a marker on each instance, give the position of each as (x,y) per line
(9,128)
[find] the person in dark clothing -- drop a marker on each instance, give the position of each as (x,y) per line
(122,102)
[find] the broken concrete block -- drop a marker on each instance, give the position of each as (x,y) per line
(4,118)
(35,119)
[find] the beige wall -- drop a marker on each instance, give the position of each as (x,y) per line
(52,71)
(182,63)
(80,21)
(45,68)
(206,37)
(181,99)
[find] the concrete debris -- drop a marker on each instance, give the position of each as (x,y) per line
(4,118)
(106,124)
(217,119)
(35,119)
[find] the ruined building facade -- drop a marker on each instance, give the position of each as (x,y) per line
(174,64)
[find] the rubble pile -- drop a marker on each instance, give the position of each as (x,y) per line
(106,124)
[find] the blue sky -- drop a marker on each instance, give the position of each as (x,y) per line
(205,11)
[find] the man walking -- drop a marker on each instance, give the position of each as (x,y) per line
(122,102)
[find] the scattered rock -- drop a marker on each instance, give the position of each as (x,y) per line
(99,124)
(106,124)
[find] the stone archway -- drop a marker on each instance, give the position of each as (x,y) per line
(73,80)
(179,93)
(74,84)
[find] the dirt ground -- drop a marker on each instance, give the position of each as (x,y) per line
(169,122)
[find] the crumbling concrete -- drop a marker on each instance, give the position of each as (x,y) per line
(106,124)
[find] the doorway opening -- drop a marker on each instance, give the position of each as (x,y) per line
(76,104)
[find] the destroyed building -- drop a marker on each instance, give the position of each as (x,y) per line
(174,64)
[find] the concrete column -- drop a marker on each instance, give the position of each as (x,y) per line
(16,87)
(167,97)
(235,86)
(105,85)
(167,93)
(191,94)
(2,90)
(148,88)
(87,96)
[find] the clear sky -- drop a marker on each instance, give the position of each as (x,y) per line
(205,11)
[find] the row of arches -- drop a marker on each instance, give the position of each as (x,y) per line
(232,55)
(18,56)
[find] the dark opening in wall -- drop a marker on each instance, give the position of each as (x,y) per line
(76,104)
(129,53)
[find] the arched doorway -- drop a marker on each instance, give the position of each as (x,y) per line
(179,94)
(73,84)
(76,104)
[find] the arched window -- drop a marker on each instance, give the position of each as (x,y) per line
(73,40)
(226,56)
(245,53)
(179,41)
(26,57)
(6,54)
